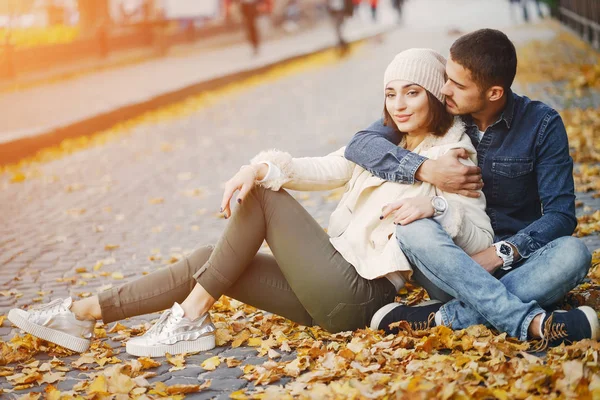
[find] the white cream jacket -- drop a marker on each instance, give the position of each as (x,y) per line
(355,229)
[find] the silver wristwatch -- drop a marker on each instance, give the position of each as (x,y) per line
(505,251)
(439,204)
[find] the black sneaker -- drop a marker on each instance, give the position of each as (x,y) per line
(418,317)
(569,326)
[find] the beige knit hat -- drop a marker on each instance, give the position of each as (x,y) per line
(425,67)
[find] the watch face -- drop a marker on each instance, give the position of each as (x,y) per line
(439,204)
(505,249)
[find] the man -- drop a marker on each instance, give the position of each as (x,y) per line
(339,10)
(249,10)
(524,160)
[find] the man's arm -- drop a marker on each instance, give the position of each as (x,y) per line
(376,150)
(556,189)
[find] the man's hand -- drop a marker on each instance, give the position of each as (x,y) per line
(409,210)
(244,182)
(450,175)
(488,259)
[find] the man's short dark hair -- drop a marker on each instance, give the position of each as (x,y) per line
(489,55)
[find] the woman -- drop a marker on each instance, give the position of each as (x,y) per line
(337,279)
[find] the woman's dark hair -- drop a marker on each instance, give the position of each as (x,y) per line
(439,122)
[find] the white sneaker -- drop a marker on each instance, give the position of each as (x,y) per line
(55,323)
(174,334)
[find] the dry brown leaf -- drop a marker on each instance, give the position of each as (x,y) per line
(52,377)
(210,364)
(177,361)
(117,275)
(232,362)
(240,338)
(148,362)
(99,386)
(183,389)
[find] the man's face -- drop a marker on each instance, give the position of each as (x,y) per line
(463,96)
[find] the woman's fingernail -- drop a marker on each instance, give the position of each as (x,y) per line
(381,217)
(239,201)
(225,217)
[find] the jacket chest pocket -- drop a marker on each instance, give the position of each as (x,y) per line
(512,178)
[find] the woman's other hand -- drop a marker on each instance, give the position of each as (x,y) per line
(243,181)
(409,210)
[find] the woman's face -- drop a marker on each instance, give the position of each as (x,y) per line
(408,106)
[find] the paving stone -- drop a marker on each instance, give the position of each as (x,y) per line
(181,380)
(203,395)
(239,353)
(229,385)
(222,372)
(35,389)
(68,384)
(159,378)
(223,396)
(256,360)
(189,371)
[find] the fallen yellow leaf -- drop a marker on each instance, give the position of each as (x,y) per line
(211,364)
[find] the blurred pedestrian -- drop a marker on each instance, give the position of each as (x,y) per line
(249,9)
(374,4)
(339,10)
(354,7)
(524,6)
(398,4)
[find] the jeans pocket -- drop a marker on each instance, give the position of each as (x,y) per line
(348,317)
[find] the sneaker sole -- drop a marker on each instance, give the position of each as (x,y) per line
(593,320)
(51,335)
(202,344)
(383,311)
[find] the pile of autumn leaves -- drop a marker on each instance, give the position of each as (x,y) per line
(471,363)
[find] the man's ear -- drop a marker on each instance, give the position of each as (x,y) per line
(495,93)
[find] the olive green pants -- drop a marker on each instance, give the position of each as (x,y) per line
(305,280)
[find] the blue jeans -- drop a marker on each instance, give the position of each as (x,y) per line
(508,304)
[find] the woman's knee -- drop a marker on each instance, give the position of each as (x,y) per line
(198,258)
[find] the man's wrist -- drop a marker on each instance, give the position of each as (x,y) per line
(516,255)
(426,171)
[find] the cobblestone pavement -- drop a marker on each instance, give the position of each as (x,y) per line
(158,189)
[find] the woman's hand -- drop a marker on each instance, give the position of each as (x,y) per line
(243,181)
(409,210)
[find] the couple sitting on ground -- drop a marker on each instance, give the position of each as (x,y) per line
(414,207)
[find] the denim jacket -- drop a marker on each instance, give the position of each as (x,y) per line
(525,163)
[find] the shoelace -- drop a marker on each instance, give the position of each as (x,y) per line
(411,327)
(166,320)
(422,325)
(50,308)
(552,331)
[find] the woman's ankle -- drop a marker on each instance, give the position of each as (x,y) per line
(197,303)
(192,311)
